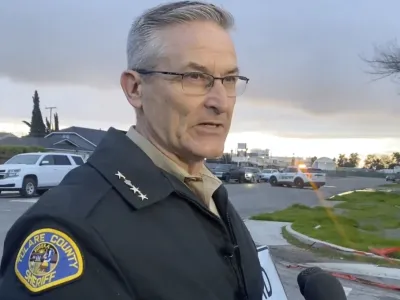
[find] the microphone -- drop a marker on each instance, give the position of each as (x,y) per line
(316,284)
(305,275)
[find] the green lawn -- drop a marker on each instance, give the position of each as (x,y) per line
(362,220)
(391,185)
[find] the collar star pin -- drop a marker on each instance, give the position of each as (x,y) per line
(133,188)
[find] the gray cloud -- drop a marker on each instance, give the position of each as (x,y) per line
(302,57)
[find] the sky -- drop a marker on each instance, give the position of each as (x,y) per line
(309,91)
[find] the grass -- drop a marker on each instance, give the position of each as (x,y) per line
(333,254)
(362,220)
(391,185)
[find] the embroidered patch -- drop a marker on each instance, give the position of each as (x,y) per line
(48,258)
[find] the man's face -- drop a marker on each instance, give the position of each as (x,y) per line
(176,118)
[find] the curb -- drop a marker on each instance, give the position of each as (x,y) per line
(318,244)
(351,277)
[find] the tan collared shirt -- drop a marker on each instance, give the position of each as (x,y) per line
(203,185)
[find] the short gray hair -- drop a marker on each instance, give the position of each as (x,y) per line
(144,46)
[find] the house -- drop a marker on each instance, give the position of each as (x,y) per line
(4,135)
(73,139)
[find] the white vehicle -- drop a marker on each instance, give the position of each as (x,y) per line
(35,173)
(299,177)
(266,174)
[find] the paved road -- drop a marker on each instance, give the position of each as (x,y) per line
(249,200)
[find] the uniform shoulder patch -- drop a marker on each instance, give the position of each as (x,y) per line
(48,258)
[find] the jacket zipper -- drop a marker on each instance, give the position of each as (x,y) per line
(234,259)
(237,258)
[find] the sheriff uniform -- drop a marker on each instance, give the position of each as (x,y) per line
(127,225)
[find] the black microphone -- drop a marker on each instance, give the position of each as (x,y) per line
(305,275)
(316,284)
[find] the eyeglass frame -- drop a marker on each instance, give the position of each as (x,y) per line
(182,75)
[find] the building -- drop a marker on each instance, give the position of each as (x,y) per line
(324,163)
(4,135)
(78,140)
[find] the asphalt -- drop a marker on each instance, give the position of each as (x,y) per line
(249,200)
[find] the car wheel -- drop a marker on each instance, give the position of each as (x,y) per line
(299,183)
(29,186)
(273,181)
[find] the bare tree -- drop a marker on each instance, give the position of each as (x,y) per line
(386,61)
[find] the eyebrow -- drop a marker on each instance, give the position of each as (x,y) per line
(204,69)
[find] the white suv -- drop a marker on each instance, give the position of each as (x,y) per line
(35,173)
(299,177)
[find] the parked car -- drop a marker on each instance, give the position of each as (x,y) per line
(246,174)
(223,171)
(299,177)
(35,173)
(266,174)
(393,177)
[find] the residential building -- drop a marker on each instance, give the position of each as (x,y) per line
(78,140)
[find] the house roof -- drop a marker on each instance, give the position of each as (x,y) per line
(93,135)
(4,135)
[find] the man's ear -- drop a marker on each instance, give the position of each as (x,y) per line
(131,84)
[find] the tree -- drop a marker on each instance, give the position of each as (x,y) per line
(396,157)
(48,126)
(373,162)
(353,160)
(37,126)
(386,61)
(342,160)
(226,158)
(386,160)
(313,159)
(56,122)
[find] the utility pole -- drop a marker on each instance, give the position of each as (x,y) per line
(51,115)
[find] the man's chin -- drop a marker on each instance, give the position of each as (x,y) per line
(208,152)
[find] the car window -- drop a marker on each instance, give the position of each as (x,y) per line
(78,160)
(61,160)
(266,171)
(25,159)
(47,160)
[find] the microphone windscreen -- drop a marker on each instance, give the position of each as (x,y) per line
(304,275)
(323,286)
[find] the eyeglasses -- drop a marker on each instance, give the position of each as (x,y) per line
(199,83)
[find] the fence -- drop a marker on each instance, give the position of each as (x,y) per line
(355,173)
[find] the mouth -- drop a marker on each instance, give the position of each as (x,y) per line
(211,124)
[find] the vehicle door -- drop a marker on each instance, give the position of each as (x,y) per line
(63,165)
(265,174)
(46,171)
(256,173)
(290,174)
(235,173)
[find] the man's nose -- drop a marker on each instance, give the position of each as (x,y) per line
(217,99)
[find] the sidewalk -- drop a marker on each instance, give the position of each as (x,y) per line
(270,234)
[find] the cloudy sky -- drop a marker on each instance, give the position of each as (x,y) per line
(309,91)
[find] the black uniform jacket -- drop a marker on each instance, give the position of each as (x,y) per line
(141,232)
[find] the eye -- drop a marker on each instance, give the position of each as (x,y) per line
(196,76)
(230,79)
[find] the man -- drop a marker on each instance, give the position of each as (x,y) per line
(144,218)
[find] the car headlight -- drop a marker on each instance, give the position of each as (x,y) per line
(13,173)
(249,174)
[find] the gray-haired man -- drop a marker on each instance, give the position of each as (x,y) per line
(144,218)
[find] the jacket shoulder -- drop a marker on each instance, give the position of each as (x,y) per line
(76,196)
